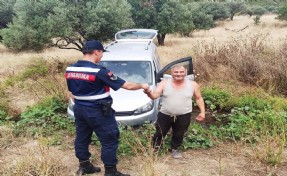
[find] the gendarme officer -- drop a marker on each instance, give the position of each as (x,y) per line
(89,84)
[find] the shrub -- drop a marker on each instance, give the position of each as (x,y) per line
(197,137)
(282,12)
(256,20)
(249,124)
(255,10)
(45,118)
(215,98)
(215,9)
(251,60)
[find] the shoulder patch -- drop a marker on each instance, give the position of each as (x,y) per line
(103,67)
(112,76)
(110,73)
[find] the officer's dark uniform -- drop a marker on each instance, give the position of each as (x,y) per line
(90,85)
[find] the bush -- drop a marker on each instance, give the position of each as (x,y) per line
(255,10)
(249,124)
(217,10)
(256,20)
(282,12)
(215,98)
(45,118)
(197,137)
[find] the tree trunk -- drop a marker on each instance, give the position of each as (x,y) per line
(160,39)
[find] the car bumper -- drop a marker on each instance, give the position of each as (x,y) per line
(139,119)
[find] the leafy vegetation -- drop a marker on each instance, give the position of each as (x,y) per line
(6,12)
(35,25)
(282,11)
(45,118)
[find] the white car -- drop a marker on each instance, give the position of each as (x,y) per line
(133,57)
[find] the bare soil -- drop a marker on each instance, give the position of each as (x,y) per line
(224,159)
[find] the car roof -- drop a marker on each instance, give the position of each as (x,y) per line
(129,51)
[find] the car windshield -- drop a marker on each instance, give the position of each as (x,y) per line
(132,71)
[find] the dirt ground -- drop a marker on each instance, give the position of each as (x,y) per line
(224,159)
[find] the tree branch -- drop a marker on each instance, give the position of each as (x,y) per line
(236,30)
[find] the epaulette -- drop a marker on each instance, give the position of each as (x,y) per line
(102,67)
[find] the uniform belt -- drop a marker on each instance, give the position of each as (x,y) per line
(94,97)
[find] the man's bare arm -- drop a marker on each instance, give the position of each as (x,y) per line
(199,101)
(158,91)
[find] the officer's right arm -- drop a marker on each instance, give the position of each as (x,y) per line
(134,86)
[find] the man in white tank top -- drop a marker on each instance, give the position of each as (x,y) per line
(176,108)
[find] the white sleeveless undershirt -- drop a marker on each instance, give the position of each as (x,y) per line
(177,101)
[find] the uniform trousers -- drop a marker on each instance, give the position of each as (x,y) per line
(89,120)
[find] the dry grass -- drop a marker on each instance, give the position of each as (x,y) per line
(249,60)
(225,31)
(40,79)
(255,56)
(13,62)
(36,159)
(6,137)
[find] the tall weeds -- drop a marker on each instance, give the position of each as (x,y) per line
(140,144)
(41,77)
(251,59)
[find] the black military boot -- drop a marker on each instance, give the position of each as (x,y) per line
(112,171)
(86,167)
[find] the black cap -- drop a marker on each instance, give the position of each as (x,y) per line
(93,45)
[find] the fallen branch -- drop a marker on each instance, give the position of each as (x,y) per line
(236,30)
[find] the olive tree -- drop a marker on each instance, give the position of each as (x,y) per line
(89,20)
(6,13)
(235,7)
(200,18)
(173,17)
(29,29)
(167,16)
(282,12)
(144,13)
(255,10)
(218,10)
(65,24)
